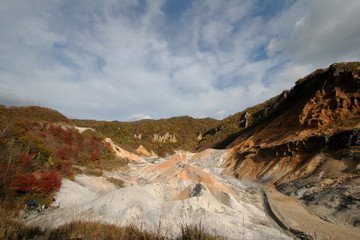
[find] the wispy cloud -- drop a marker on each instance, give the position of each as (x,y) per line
(138,116)
(133,59)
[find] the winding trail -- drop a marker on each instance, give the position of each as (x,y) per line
(294,216)
(299,234)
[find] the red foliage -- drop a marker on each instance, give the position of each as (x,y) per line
(72,150)
(94,148)
(61,154)
(61,133)
(94,155)
(2,141)
(25,159)
(44,182)
(49,180)
(24,182)
(66,168)
(42,134)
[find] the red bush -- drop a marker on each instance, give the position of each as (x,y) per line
(64,135)
(25,159)
(43,135)
(72,151)
(61,154)
(24,182)
(94,155)
(49,180)
(66,167)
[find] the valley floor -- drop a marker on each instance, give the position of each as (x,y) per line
(290,211)
(163,195)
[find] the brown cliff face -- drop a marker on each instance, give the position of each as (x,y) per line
(309,145)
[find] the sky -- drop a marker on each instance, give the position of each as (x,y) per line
(128,60)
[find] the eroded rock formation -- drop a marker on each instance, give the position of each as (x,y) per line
(308,146)
(167,137)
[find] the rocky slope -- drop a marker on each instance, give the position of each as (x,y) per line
(304,143)
(309,145)
(162,136)
(164,194)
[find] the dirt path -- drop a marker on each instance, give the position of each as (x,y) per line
(292,232)
(293,215)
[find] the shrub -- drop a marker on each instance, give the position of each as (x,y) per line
(49,181)
(23,182)
(25,160)
(66,168)
(61,154)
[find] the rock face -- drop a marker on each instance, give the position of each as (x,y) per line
(144,152)
(167,137)
(308,146)
(139,136)
(229,129)
(162,196)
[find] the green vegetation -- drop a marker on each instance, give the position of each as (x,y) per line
(185,129)
(38,148)
(32,113)
(191,134)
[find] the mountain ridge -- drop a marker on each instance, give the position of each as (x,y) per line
(309,148)
(305,143)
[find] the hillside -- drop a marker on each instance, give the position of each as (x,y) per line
(161,136)
(299,149)
(229,128)
(38,148)
(309,146)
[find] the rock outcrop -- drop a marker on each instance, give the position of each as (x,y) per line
(228,129)
(308,144)
(167,137)
(138,136)
(144,152)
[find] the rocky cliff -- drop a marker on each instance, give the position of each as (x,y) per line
(308,146)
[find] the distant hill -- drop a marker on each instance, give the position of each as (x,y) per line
(161,136)
(33,113)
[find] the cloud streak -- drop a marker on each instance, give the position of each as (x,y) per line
(127,60)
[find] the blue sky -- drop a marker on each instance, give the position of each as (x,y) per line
(132,59)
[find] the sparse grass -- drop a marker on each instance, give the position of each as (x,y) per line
(117,182)
(93,172)
(94,230)
(12,228)
(196,232)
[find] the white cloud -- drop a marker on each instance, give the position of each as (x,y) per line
(110,60)
(138,116)
(214,32)
(286,78)
(275,46)
(220,114)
